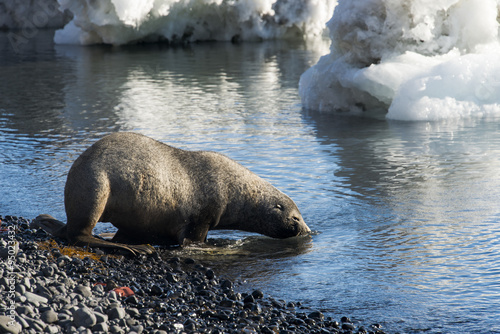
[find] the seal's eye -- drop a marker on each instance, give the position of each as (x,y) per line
(279,206)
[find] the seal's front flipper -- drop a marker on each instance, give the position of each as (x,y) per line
(194,233)
(50,225)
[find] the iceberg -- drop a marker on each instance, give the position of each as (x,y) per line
(120,22)
(416,59)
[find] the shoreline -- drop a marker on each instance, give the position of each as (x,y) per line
(48,287)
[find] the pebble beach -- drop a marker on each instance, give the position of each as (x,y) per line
(49,287)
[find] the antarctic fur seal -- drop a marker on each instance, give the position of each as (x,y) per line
(157,194)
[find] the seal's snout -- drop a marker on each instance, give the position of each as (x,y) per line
(301,227)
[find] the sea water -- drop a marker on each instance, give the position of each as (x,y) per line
(405,214)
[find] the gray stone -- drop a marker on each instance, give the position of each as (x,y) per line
(179,327)
(21,288)
(116,313)
(52,329)
(98,288)
(49,316)
(83,330)
(133,312)
(25,309)
(4,281)
(8,249)
(36,324)
(43,291)
(20,299)
(26,282)
(34,298)
(84,317)
(137,328)
(22,321)
(9,326)
(100,317)
(101,327)
(83,290)
(21,257)
(48,271)
(116,329)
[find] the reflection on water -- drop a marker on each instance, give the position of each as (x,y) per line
(407,213)
(249,257)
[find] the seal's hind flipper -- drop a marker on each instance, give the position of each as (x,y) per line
(50,225)
(58,229)
(91,241)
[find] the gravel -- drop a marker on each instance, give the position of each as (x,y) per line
(46,287)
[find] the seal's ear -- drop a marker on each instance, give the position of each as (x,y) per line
(279,207)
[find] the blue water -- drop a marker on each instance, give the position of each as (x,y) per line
(405,215)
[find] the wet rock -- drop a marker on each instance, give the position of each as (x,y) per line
(257,294)
(227,303)
(178,327)
(171,278)
(210,274)
(156,290)
(316,315)
(345,319)
(348,326)
(249,299)
(226,285)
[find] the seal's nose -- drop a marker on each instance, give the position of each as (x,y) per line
(301,227)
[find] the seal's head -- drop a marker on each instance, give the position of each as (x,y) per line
(282,218)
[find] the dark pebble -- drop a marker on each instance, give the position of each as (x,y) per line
(257,294)
(348,326)
(316,315)
(249,299)
(156,290)
(210,274)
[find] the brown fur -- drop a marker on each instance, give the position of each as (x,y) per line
(155,193)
